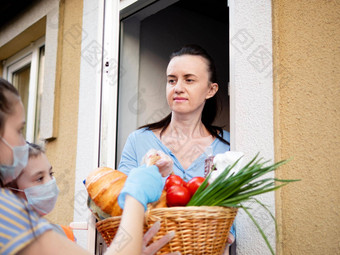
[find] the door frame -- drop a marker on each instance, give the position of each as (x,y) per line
(251,124)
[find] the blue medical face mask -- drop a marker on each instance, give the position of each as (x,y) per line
(20,159)
(42,197)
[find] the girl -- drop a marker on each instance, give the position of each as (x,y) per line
(23,231)
(37,185)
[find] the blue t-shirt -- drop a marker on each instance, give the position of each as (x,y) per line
(142,140)
(19,223)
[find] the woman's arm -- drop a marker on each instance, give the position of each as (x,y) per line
(130,233)
(128,240)
(143,185)
(128,158)
(52,243)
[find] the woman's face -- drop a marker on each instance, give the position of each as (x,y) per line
(37,172)
(13,128)
(188,84)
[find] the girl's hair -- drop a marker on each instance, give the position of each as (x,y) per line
(211,107)
(34,150)
(8,96)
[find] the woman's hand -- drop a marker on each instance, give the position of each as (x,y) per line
(164,164)
(230,241)
(160,159)
(157,245)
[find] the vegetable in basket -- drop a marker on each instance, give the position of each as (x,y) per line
(232,188)
(177,196)
(173,180)
(178,191)
(194,184)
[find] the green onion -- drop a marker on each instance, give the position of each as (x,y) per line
(240,187)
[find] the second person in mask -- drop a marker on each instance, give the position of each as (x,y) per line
(37,185)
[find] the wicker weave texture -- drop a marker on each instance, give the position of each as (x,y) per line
(108,228)
(199,229)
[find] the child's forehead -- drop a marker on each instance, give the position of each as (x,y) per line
(36,158)
(37,163)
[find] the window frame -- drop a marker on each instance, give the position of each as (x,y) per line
(29,55)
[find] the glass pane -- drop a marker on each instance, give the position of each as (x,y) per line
(21,80)
(39,94)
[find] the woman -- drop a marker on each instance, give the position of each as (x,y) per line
(187,132)
(23,231)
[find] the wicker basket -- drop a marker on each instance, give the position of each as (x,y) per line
(199,229)
(108,228)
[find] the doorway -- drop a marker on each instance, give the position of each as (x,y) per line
(148,36)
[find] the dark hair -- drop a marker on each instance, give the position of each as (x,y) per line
(8,95)
(7,91)
(34,150)
(211,107)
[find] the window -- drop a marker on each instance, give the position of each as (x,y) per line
(25,71)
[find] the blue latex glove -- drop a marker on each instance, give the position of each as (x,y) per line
(144,184)
(232,230)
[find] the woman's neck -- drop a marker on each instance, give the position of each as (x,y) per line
(190,127)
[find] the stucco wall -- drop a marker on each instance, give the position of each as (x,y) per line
(307,124)
(41,20)
(251,109)
(62,151)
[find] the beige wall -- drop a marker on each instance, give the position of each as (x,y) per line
(24,39)
(62,151)
(307,124)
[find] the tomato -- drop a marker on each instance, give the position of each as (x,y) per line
(194,183)
(174,180)
(177,196)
